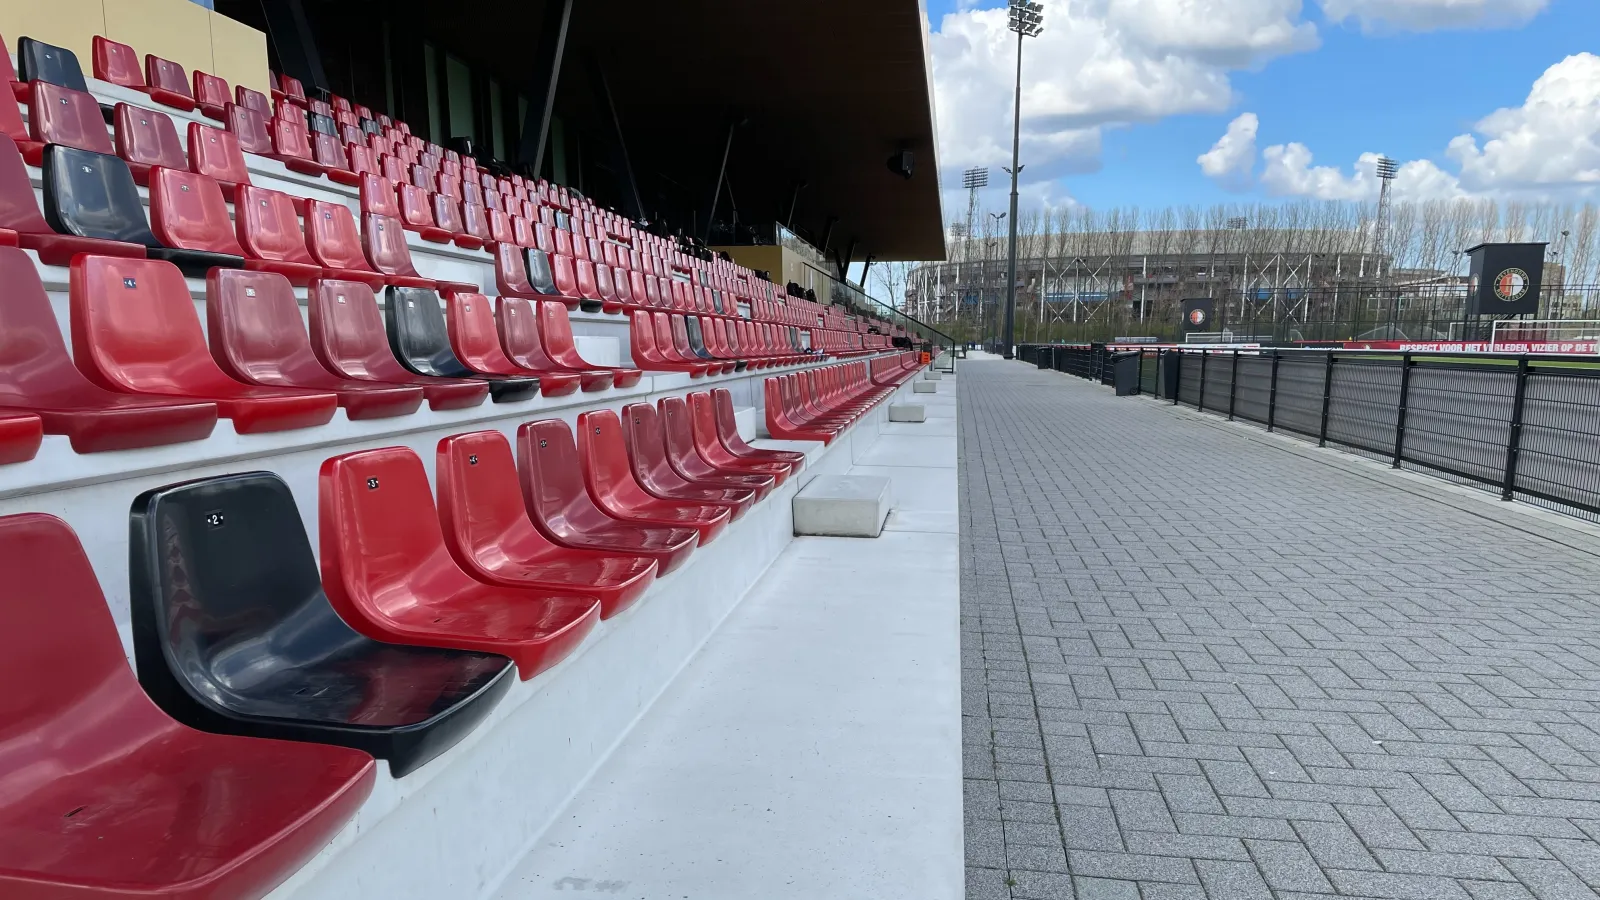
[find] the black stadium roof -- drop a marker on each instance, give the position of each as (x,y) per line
(828,90)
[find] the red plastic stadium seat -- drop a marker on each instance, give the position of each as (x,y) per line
(146,138)
(647,453)
(21,436)
(378,197)
(187,212)
(169,83)
(475,227)
(134,329)
(329,153)
(609,478)
(489,534)
(384,241)
(681,453)
(37,375)
(471,326)
(348,338)
(519,338)
(291,145)
(388,572)
(416,214)
(556,500)
(136,805)
(216,153)
(703,430)
(59,115)
(252,100)
(269,231)
(727,427)
(257,336)
(249,128)
(335,244)
(118,64)
(211,95)
(555,333)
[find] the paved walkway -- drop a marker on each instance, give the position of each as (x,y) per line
(1196,664)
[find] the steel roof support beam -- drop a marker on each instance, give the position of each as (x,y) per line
(548,53)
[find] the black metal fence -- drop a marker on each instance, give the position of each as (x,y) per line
(1091,361)
(1526,427)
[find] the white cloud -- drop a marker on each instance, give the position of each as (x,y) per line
(1547,148)
(1288,172)
(1231,161)
(1098,64)
(1550,142)
(1427,15)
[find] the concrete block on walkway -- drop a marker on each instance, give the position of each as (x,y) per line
(931,375)
(842,506)
(924,387)
(908,412)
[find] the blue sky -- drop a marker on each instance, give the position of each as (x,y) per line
(1338,88)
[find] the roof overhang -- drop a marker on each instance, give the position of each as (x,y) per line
(826,91)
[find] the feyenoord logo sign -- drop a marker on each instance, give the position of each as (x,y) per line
(1197,313)
(1512,285)
(1197,317)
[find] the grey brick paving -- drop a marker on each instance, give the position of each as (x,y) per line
(1198,666)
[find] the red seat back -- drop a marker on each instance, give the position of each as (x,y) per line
(58,115)
(475,221)
(268,227)
(328,151)
(384,241)
(291,139)
(34,365)
(382,547)
(19,209)
(146,138)
(447,214)
(135,329)
(250,99)
(480,506)
(519,333)
(79,715)
(211,93)
(332,237)
(168,82)
(415,210)
(470,322)
(249,128)
(117,63)
(347,332)
(187,212)
(216,153)
(552,480)
(254,328)
(378,198)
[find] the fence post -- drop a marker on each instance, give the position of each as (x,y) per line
(1200,400)
(1327,398)
(1177,360)
(1233,385)
(1514,444)
(1272,393)
(1400,419)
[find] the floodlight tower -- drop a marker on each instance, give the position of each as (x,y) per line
(973,180)
(1387,170)
(1027,20)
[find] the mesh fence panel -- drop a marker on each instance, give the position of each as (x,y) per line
(1253,393)
(1219,383)
(1364,404)
(1458,419)
(1300,394)
(1560,444)
(1189,378)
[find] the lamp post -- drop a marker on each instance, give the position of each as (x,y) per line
(998,218)
(1027,20)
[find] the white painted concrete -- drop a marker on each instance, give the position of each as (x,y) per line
(925,387)
(908,412)
(852,505)
(932,375)
(812,749)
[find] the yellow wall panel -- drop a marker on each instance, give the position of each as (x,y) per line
(66,23)
(172,29)
(239,53)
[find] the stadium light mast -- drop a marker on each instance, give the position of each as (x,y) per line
(1387,170)
(1027,20)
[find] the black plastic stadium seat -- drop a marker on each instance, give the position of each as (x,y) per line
(421,341)
(233,634)
(93,195)
(38,61)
